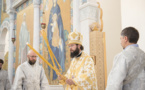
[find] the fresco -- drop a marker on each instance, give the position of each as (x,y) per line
(5,65)
(58,20)
(24,34)
(3,14)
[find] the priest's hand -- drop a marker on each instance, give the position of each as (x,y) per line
(70,82)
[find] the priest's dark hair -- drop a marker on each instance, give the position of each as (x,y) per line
(82,48)
(131,33)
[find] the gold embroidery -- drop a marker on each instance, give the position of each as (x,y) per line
(74,35)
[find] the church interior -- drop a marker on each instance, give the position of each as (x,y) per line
(99,21)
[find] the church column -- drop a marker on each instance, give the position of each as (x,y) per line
(11,47)
(76,19)
(88,15)
(36,25)
(11,13)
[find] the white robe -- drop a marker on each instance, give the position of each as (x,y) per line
(30,77)
(128,72)
(4,81)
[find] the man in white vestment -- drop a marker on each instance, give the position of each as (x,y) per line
(4,81)
(81,73)
(30,75)
(128,72)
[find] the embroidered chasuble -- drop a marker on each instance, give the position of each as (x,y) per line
(82,72)
(128,71)
(30,77)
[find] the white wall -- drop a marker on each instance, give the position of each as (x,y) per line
(133,14)
(112,28)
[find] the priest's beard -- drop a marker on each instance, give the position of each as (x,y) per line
(0,68)
(74,53)
(32,62)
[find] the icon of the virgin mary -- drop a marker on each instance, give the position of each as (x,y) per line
(55,35)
